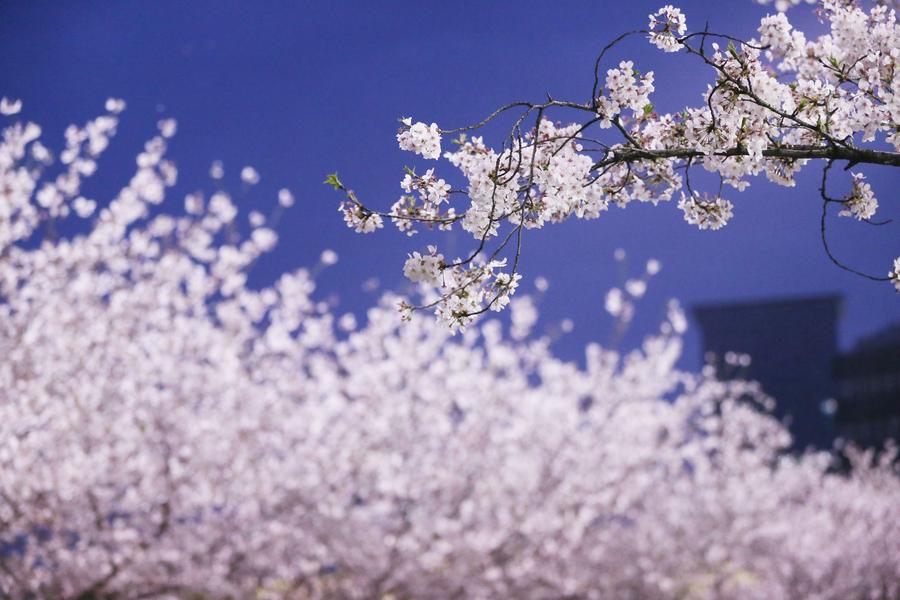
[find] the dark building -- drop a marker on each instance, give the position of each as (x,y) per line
(868,390)
(792,344)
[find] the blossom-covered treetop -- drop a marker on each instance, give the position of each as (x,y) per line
(169,432)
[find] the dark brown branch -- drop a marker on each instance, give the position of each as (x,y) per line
(826,200)
(627,154)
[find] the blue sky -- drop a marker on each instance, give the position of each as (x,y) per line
(300,89)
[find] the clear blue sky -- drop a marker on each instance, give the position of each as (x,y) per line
(299,89)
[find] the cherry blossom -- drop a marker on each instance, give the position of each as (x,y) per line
(424,269)
(666,26)
(170,432)
(861,203)
(420,138)
(705,213)
(9,107)
(285,198)
(360,219)
(249,175)
(777,104)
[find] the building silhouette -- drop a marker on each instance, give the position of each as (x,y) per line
(868,390)
(792,344)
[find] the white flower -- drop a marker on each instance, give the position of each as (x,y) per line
(523,317)
(424,269)
(359,219)
(256,218)
(115,105)
(505,286)
(666,25)
(705,213)
(861,204)
(217,170)
(84,207)
(41,154)
(249,176)
(328,257)
(347,322)
(222,207)
(167,127)
(264,238)
(193,204)
(420,138)
(636,287)
(626,90)
(615,302)
(9,107)
(431,190)
(285,198)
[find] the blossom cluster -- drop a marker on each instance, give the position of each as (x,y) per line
(666,25)
(626,88)
(861,204)
(705,213)
(167,431)
(425,205)
(544,178)
(459,291)
(776,104)
(359,218)
(425,269)
(420,138)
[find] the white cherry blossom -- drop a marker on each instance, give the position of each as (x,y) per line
(420,138)
(775,105)
(168,431)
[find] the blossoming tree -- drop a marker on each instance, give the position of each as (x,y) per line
(168,432)
(776,104)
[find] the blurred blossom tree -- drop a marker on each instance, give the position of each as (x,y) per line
(168,432)
(777,103)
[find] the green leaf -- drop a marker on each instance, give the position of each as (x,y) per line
(333,181)
(732,50)
(408,171)
(460,140)
(648,108)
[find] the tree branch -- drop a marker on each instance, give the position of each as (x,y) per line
(628,154)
